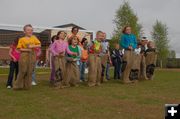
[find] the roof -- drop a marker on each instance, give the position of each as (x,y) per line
(70,25)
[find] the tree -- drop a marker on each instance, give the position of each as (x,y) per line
(160,37)
(172,54)
(125,16)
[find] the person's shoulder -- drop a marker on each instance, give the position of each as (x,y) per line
(55,41)
(34,37)
(22,38)
(133,35)
(123,35)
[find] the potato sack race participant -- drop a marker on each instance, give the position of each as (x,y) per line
(95,69)
(128,43)
(26,46)
(151,57)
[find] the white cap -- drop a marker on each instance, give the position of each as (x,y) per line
(144,38)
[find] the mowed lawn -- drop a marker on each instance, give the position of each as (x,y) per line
(112,100)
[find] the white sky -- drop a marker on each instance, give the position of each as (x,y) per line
(92,14)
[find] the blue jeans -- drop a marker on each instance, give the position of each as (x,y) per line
(34,73)
(107,71)
(13,68)
(117,70)
(82,70)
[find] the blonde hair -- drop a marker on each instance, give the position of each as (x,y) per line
(98,32)
(27,25)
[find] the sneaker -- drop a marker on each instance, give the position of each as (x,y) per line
(34,83)
(9,87)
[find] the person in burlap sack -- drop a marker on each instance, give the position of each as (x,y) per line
(151,57)
(72,69)
(104,57)
(95,69)
(144,42)
(59,48)
(135,71)
(26,46)
(128,43)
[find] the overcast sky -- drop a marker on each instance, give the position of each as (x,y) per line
(92,14)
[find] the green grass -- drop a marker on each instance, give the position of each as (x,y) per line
(112,100)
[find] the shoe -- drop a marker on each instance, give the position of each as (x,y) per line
(34,83)
(9,87)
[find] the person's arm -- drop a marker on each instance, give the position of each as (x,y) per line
(21,48)
(25,50)
(70,37)
(80,52)
(34,46)
(109,56)
(113,54)
(123,43)
(47,54)
(10,54)
(68,51)
(91,47)
(134,45)
(52,49)
(37,43)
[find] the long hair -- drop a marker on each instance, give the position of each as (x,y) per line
(75,27)
(57,36)
(124,29)
(83,40)
(53,38)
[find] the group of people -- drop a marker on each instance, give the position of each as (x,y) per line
(70,55)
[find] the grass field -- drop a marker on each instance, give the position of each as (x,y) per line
(112,100)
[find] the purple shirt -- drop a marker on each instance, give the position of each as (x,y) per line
(60,46)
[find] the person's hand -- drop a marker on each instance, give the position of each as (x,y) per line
(110,62)
(30,46)
(62,54)
(75,59)
(75,54)
(98,51)
(14,59)
(47,60)
(29,50)
(130,48)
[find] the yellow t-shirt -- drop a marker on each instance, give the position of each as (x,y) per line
(24,42)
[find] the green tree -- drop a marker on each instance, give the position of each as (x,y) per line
(125,16)
(172,54)
(160,37)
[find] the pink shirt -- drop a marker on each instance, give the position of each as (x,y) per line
(59,46)
(38,52)
(15,52)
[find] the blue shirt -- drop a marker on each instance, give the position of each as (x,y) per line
(127,40)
